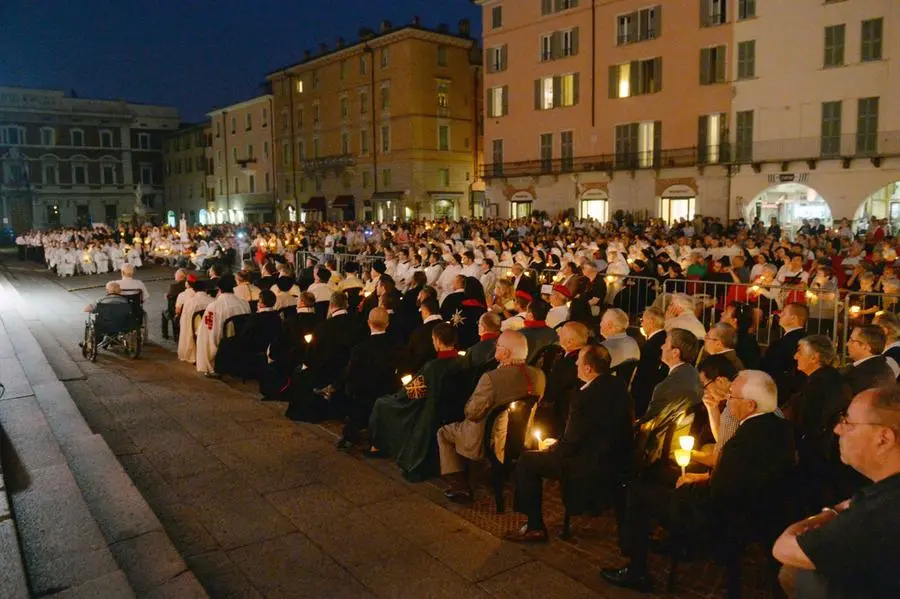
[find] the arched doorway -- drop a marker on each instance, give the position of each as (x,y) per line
(595,205)
(170,218)
(790,204)
(884,204)
(204,217)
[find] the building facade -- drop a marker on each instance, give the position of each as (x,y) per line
(242,179)
(70,161)
(380,129)
(186,155)
(616,105)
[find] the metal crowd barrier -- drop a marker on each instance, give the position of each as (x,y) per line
(861,308)
(365,261)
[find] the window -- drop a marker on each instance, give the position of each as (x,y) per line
(639,26)
(385,139)
(496,59)
(300,117)
(345,108)
(48,136)
(347,179)
(248,122)
(218,129)
(386,177)
(834,46)
(444,177)
(144,141)
(871,40)
(50,172)
(77,137)
(559,44)
(343,69)
(345,143)
(743,142)
(444,138)
(549,7)
(363,64)
(366,179)
(496,17)
(234,156)
(746,59)
(569,40)
(301,149)
(385,97)
(746,9)
(363,102)
(233,125)
(268,183)
(108,172)
(249,151)
(867,126)
(264,121)
(364,142)
(219,157)
(713,12)
(831,129)
(79,173)
(546,47)
(498,101)
(555,92)
(316,79)
(251,184)
(385,57)
(265,152)
(299,86)
(635,78)
(235,185)
(316,113)
(284,120)
(221,186)
(712,65)
(285,154)
(546,152)
(497,157)
(317,147)
(443,94)
(638,144)
(442,56)
(566,150)
(711,133)
(146,174)
(287,185)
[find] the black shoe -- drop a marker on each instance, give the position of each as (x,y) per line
(374,454)
(628,579)
(458,495)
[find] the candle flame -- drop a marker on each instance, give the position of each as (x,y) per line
(308,338)
(406,379)
(686,442)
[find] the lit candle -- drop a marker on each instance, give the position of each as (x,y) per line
(512,406)
(610,279)
(686,442)
(879,313)
(855,310)
(682,458)
(461,352)
(509,273)
(406,379)
(755,289)
(308,337)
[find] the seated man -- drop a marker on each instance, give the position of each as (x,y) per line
(244,355)
(169,313)
(117,314)
(536,331)
(216,315)
(850,549)
(613,327)
(482,353)
(680,315)
(752,464)
(113,292)
(289,348)
(594,451)
(870,368)
(512,380)
(562,381)
(682,383)
(404,425)
(129,283)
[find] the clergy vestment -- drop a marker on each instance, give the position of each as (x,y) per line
(209,335)
(192,302)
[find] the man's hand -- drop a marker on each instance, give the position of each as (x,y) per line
(691,477)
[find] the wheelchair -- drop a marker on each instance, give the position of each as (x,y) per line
(114,324)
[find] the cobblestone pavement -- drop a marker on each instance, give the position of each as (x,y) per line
(260,506)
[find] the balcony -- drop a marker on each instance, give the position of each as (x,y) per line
(846,147)
(247,163)
(318,166)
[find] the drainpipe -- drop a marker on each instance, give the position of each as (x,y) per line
(273,162)
(293,145)
(593,63)
(227,159)
(478,97)
(371,52)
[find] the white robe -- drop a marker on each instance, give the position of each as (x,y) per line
(187,344)
(65,265)
(209,334)
(101,260)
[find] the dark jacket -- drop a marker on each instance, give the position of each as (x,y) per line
(372,368)
(420,349)
(893,352)
(873,372)
(538,337)
(780,364)
(329,352)
(482,352)
(650,372)
(562,386)
(681,386)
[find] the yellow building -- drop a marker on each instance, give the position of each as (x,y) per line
(380,129)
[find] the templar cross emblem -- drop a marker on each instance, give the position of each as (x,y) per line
(457,319)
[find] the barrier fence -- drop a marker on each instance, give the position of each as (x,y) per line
(861,308)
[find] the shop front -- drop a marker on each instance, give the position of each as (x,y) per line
(677,202)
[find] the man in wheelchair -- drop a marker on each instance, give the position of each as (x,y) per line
(112,318)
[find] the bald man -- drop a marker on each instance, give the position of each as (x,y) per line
(371,373)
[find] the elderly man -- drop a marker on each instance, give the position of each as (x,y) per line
(779,359)
(559,306)
(682,384)
(680,315)
(536,331)
(113,293)
(168,315)
(621,347)
(482,353)
(651,370)
(869,368)
(850,549)
(562,381)
(464,440)
(752,463)
(720,341)
(212,329)
(129,283)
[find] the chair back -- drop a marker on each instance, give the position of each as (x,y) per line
(113,316)
(235,325)
(135,296)
(546,357)
(196,319)
(625,371)
(514,416)
(654,437)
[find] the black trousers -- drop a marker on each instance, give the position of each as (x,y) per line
(168,317)
(531,470)
(356,412)
(647,503)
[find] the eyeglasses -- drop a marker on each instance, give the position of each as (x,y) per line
(842,420)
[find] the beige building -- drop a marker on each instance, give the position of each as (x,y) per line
(381,128)
(241,182)
(817,126)
(185,157)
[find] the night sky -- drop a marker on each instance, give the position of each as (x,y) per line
(193,54)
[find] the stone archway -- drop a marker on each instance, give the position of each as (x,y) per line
(790,204)
(883,204)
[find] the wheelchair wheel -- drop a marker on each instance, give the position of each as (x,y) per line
(89,349)
(131,342)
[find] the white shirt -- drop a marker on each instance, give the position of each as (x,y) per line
(321,290)
(432,318)
(133,285)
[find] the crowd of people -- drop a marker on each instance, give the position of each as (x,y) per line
(429,340)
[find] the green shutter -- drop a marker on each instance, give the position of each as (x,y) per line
(634,78)
(656,24)
(574,41)
(503,56)
(657,72)
(657,144)
(720,64)
(704,13)
(556,45)
(576,85)
(633,25)
(613,81)
(504,109)
(537,94)
(704,66)
(702,136)
(546,7)
(557,91)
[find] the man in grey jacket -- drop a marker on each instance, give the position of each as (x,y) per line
(621,347)
(682,385)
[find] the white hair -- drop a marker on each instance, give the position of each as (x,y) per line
(683,301)
(113,288)
(616,318)
(761,388)
(127,270)
(516,343)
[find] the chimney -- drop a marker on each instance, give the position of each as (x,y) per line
(385,26)
(323,47)
(442,28)
(340,43)
(307,54)
(416,22)
(366,33)
(465,27)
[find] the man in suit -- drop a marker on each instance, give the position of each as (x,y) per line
(460,441)
(651,370)
(536,331)
(524,283)
(682,384)
(420,349)
(720,341)
(326,359)
(595,446)
(752,465)
(680,315)
(453,301)
(371,373)
(613,327)
(870,368)
(482,353)
(169,313)
(779,360)
(562,381)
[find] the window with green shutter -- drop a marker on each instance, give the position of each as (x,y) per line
(743,142)
(712,65)
(566,151)
(871,40)
(746,59)
(834,46)
(831,129)
(746,9)
(546,152)
(867,126)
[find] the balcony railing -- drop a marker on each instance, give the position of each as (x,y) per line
(809,149)
(337,163)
